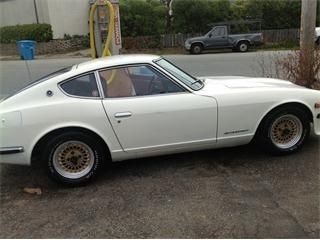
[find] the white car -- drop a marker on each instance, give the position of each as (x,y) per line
(133,106)
(317,35)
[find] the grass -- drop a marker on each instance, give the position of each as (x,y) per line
(288,45)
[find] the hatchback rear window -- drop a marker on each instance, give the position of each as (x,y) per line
(53,74)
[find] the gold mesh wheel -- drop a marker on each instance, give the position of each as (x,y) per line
(286,131)
(73,159)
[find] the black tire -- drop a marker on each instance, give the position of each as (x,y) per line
(66,155)
(196,48)
(284,130)
(318,41)
(243,46)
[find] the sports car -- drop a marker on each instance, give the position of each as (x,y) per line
(131,106)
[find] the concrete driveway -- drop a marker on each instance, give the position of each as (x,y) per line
(228,193)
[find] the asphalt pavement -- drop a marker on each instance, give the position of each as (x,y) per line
(227,193)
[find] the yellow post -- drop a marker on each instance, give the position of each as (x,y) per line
(106,50)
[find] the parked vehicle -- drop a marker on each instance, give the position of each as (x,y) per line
(219,37)
(132,106)
(317,35)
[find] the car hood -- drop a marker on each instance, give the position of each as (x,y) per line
(195,39)
(214,84)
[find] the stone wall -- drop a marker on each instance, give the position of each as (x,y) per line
(52,47)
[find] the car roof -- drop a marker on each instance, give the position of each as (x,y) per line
(112,61)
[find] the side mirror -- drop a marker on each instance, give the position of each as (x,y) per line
(210,35)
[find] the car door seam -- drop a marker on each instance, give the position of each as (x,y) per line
(104,109)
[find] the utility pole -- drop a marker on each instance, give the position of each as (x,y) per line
(36,11)
(169,15)
(307,31)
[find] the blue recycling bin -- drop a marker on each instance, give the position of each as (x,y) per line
(26,49)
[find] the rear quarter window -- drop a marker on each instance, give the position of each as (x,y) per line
(81,86)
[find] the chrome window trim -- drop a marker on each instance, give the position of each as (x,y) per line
(145,96)
(99,84)
(80,97)
(190,89)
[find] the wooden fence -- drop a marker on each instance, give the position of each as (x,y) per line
(281,35)
(177,40)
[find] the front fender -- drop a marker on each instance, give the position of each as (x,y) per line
(279,104)
(197,42)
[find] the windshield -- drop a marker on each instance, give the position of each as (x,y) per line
(208,33)
(187,79)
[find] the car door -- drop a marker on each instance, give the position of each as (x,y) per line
(150,112)
(218,37)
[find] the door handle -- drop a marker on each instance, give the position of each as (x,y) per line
(122,114)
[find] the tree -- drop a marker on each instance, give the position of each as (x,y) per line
(142,18)
(276,14)
(194,16)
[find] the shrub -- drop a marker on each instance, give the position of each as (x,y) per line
(37,32)
(295,68)
(292,66)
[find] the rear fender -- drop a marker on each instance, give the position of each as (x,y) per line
(242,40)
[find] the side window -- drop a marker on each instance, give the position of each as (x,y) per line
(136,81)
(219,31)
(82,86)
(222,31)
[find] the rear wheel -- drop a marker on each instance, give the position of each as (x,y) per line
(243,46)
(73,158)
(285,130)
(196,48)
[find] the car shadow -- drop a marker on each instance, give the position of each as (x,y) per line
(14,178)
(225,51)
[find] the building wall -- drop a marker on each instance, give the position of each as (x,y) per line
(65,16)
(13,12)
(68,17)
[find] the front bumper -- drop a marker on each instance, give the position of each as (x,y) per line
(316,124)
(187,46)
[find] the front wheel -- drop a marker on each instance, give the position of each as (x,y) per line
(196,49)
(285,130)
(73,158)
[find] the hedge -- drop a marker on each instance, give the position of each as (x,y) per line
(37,32)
